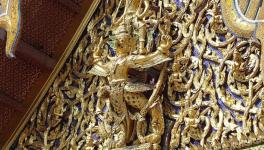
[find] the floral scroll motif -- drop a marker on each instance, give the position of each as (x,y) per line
(151,74)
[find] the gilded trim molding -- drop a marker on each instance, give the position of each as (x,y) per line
(54,73)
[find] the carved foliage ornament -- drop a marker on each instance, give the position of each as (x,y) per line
(149,74)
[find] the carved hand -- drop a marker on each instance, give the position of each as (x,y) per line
(165,44)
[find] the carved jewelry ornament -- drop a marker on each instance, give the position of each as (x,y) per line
(150,74)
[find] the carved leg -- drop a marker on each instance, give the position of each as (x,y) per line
(157,127)
(138,101)
(116,94)
(117,100)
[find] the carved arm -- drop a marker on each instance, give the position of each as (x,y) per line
(152,59)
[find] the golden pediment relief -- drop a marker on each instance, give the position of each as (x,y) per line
(151,74)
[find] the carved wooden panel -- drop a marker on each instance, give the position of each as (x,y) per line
(48,26)
(149,74)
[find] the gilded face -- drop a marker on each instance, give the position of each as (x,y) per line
(122,43)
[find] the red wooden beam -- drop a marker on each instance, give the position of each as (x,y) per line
(29,53)
(12,103)
(71,5)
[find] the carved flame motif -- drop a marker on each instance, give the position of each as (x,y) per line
(151,74)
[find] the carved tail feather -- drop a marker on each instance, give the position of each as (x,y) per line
(10,21)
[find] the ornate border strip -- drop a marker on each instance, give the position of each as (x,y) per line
(54,73)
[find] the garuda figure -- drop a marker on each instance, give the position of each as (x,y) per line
(122,90)
(159,73)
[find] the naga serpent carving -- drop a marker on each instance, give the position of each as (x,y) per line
(150,74)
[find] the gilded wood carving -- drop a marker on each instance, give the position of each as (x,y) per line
(10,18)
(151,74)
(10,22)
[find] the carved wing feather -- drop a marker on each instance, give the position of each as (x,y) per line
(153,61)
(99,70)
